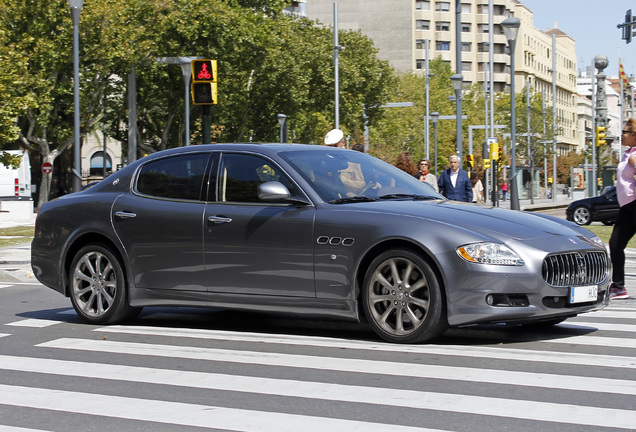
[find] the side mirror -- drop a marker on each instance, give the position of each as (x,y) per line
(273,191)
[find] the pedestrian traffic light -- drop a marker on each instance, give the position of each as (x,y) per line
(471,161)
(627,27)
(494,151)
(203,87)
(487,163)
(600,135)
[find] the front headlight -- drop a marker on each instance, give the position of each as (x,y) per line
(596,240)
(489,253)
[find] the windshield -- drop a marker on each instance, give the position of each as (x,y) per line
(340,176)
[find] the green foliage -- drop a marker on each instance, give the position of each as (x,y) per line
(402,129)
(9,160)
(268,62)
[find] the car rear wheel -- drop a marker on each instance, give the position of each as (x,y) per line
(98,286)
(402,299)
(582,216)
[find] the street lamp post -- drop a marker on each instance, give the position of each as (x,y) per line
(435,119)
(458,81)
(511,29)
(336,66)
(186,71)
(282,119)
(76,10)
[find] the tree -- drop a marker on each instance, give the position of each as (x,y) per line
(268,63)
(402,129)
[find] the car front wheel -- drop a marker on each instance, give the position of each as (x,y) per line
(582,216)
(402,298)
(98,286)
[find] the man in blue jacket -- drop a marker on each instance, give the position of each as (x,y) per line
(454,183)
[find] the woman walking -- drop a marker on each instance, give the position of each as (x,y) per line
(625,225)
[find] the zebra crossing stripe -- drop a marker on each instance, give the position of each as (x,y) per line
(500,353)
(530,410)
(35,323)
(628,328)
(607,342)
(455,373)
(18,429)
(610,313)
(183,414)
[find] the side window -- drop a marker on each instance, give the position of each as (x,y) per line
(177,177)
(241,174)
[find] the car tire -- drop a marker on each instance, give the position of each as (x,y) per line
(98,286)
(582,216)
(402,299)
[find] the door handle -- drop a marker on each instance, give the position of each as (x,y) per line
(219,219)
(125,215)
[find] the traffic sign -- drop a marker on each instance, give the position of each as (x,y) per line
(47,168)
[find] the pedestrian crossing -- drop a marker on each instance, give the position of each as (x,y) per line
(577,376)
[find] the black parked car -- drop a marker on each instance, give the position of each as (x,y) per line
(602,208)
(313,231)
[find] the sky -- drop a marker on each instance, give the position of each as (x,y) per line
(592,25)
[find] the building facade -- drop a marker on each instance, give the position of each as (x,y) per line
(400,29)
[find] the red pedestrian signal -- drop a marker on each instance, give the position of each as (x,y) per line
(203,87)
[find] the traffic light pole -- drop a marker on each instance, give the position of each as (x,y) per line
(206,124)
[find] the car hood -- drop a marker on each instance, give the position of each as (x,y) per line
(491,222)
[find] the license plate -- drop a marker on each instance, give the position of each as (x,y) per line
(583,294)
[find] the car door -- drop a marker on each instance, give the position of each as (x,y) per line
(607,206)
(160,223)
(254,247)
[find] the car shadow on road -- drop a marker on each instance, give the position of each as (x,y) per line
(272,324)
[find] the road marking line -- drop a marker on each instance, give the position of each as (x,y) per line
(631,328)
(185,414)
(429,349)
(36,323)
(454,373)
(4,428)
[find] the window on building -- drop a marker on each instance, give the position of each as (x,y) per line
(482,28)
(466,46)
(482,9)
(422,5)
(466,66)
(422,24)
(442,46)
(442,6)
(442,26)
(420,64)
(97,163)
(420,44)
(466,27)
(465,8)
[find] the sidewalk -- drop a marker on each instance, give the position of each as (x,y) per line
(15,261)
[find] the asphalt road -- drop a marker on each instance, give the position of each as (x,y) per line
(197,369)
(186,369)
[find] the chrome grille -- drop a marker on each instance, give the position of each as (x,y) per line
(575,269)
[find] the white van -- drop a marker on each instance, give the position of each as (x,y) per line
(15,183)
